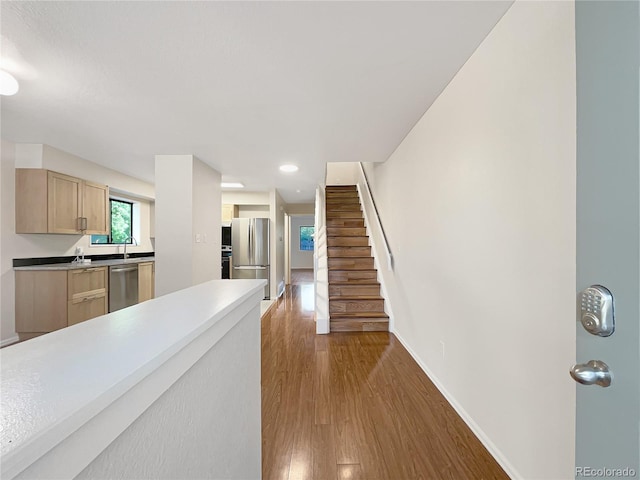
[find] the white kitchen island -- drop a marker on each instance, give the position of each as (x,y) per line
(169,388)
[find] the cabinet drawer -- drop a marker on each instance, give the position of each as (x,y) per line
(86,281)
(86,307)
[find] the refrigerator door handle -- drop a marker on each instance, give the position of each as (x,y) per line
(244,267)
(250,240)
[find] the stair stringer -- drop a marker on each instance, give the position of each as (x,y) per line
(376,250)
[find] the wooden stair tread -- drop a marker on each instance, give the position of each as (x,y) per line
(350,257)
(368,283)
(356,297)
(351,270)
(381,316)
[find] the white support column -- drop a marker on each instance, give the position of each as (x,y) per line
(187,222)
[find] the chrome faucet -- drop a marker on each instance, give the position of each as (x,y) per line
(133,240)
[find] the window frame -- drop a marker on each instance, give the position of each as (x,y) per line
(313,239)
(109,237)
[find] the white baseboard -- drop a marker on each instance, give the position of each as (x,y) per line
(9,341)
(478,432)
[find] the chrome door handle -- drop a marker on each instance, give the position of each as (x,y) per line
(590,373)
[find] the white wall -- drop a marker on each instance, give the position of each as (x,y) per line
(301,209)
(206,425)
(54,159)
(173,222)
(277,244)
(207,224)
(479,206)
(300,258)
(246,198)
(187,222)
(41,245)
(341,173)
(254,211)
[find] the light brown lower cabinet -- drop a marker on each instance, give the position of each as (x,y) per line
(48,300)
(146,281)
(41,301)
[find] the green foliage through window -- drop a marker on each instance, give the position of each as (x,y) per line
(306,238)
(121,221)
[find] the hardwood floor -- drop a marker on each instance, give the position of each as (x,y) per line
(354,406)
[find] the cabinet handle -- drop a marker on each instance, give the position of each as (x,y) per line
(90,297)
(92,269)
(81,223)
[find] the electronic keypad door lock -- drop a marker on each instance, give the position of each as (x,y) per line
(595,307)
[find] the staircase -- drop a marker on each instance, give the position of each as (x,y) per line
(355,304)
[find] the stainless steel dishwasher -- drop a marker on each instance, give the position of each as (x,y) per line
(123,286)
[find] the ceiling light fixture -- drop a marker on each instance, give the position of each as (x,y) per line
(288,168)
(8,84)
(231,185)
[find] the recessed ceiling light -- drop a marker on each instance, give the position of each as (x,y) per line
(231,185)
(8,84)
(298,191)
(288,168)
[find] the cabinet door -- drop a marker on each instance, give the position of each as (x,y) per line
(41,301)
(95,208)
(64,199)
(229,212)
(146,281)
(86,308)
(31,200)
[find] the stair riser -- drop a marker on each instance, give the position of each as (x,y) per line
(356,326)
(349,251)
(354,277)
(345,222)
(356,306)
(345,232)
(333,195)
(353,290)
(355,263)
(348,241)
(351,207)
(343,200)
(357,214)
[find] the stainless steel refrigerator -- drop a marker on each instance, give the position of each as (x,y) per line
(250,249)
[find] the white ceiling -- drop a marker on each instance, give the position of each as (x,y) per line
(244,86)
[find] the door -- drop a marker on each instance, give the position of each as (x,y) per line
(64,199)
(95,208)
(608,226)
(145,282)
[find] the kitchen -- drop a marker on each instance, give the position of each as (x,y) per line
(32,249)
(74,296)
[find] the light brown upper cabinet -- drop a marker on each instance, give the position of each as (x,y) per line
(51,202)
(229,212)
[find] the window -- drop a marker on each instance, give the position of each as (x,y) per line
(121,222)
(306,238)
